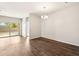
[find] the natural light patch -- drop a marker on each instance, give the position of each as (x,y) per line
(15,39)
(4,42)
(27,45)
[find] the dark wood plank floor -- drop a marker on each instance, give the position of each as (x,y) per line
(39,47)
(48,47)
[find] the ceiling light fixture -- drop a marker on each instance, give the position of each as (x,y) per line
(65,2)
(44,16)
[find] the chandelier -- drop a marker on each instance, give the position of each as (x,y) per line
(44,16)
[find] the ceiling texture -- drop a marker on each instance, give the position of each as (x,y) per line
(23,9)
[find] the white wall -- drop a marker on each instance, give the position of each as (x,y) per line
(35,26)
(63,26)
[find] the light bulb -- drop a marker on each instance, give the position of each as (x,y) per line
(44,17)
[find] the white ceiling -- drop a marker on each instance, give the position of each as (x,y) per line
(22,9)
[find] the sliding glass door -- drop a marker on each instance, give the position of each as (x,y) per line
(4,30)
(14,29)
(9,29)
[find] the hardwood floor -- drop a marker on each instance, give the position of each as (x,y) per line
(53,48)
(39,47)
